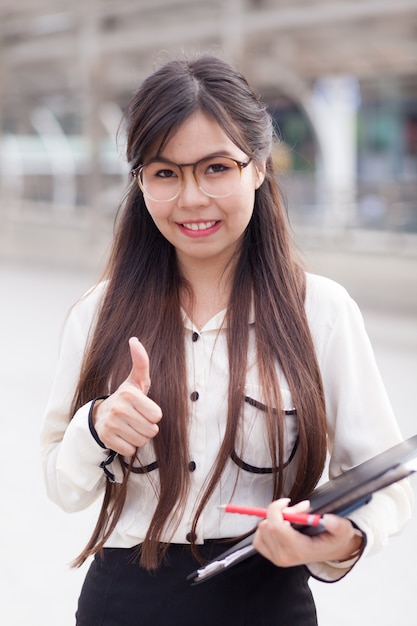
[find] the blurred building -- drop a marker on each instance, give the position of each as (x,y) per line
(340,78)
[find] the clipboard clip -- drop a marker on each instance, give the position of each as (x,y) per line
(215,567)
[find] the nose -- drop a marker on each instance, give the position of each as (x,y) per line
(191,195)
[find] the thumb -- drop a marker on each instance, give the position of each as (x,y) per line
(139,374)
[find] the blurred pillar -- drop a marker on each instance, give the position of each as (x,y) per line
(11,157)
(2,100)
(334,106)
(90,76)
(61,158)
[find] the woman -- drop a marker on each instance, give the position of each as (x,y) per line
(247,371)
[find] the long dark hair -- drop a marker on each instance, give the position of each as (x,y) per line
(143,299)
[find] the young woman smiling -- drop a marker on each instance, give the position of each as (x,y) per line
(248,370)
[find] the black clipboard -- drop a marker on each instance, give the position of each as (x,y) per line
(341,496)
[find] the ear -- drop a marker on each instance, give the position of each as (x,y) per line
(259,174)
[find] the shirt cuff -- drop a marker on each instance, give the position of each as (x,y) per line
(91,423)
(332,571)
(112,454)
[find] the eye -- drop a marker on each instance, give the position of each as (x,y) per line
(164,172)
(218,167)
(160,170)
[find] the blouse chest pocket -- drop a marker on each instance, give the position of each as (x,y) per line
(252,448)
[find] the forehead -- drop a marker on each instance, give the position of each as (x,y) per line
(197,137)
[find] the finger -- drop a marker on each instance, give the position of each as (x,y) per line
(276,508)
(139,374)
(134,437)
(124,428)
(300,507)
(332,523)
(281,503)
(275,541)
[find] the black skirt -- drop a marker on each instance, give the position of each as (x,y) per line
(118,592)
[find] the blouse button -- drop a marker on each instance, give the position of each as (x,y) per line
(195,336)
(192,466)
(194,396)
(190,536)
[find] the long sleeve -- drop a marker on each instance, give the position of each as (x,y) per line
(361,422)
(70,455)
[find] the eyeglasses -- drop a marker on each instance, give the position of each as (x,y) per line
(216,176)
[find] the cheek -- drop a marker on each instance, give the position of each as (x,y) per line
(244,208)
(159,212)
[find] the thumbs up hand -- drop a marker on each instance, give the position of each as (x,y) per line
(127,419)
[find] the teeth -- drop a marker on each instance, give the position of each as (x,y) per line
(199,225)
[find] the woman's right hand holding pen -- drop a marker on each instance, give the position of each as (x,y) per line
(128,419)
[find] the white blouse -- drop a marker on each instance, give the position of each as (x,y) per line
(360,424)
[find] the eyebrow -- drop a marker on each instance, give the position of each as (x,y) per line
(225,153)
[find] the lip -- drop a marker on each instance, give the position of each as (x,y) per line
(200,228)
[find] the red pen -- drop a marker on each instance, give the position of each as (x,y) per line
(304,519)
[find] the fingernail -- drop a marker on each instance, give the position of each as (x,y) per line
(331,522)
(304,503)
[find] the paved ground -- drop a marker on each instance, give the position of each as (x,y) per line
(37,588)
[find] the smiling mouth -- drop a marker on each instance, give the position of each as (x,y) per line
(199,225)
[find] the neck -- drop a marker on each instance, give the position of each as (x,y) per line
(210,287)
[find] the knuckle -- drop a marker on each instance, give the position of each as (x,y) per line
(113,419)
(125,393)
(105,430)
(132,449)
(127,449)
